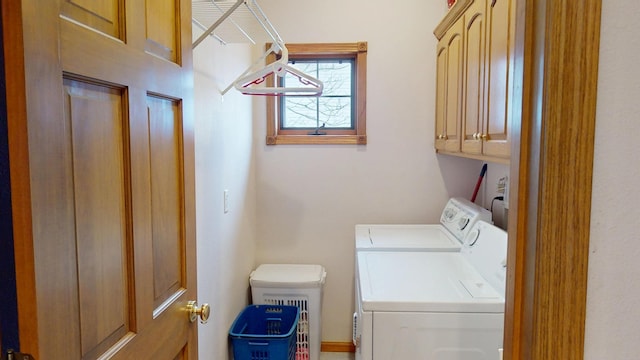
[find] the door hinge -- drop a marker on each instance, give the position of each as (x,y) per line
(14,355)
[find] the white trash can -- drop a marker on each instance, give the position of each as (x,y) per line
(297,285)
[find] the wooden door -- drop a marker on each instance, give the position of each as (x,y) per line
(474,66)
(501,32)
(102,172)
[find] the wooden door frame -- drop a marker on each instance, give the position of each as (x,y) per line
(551,169)
(557,51)
(14,70)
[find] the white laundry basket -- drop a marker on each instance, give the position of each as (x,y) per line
(298,285)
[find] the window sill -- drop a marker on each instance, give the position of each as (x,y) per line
(317,140)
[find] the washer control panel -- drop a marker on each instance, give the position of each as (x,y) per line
(460,214)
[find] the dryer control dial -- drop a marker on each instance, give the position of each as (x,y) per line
(459,215)
(449,214)
(463,222)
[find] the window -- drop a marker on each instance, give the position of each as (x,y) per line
(338,116)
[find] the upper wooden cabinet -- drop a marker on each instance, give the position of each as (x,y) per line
(472,99)
(449,88)
(500,32)
(474,104)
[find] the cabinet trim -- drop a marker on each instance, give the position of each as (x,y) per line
(452,16)
(491,159)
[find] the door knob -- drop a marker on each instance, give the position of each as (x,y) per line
(193,310)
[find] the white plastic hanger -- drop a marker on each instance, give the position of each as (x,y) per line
(245,84)
(247,81)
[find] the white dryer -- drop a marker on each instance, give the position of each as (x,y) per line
(457,218)
(433,305)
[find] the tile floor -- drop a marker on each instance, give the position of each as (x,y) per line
(336,356)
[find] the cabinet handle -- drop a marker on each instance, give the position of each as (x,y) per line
(484,136)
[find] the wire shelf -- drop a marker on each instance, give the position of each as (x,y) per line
(237,21)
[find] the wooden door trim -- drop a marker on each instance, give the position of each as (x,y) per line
(557,55)
(13,49)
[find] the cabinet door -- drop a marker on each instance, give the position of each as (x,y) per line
(453,113)
(441,94)
(474,77)
(500,35)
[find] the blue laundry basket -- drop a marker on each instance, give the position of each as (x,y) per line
(265,332)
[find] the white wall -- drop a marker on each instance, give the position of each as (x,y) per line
(613,323)
(224,160)
(299,203)
(310,197)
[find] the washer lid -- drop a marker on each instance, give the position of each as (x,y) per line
(405,237)
(485,247)
(424,282)
(288,276)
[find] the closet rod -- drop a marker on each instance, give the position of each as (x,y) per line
(203,28)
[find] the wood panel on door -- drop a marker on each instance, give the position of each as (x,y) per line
(94,117)
(108,219)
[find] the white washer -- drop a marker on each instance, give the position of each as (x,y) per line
(433,305)
(458,216)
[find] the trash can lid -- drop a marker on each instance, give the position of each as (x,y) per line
(288,275)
